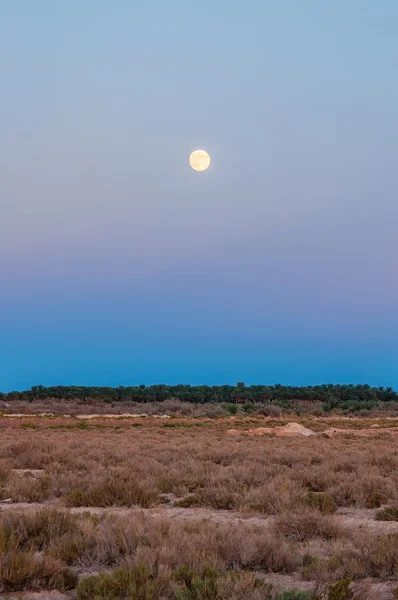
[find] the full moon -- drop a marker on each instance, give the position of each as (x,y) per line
(199,160)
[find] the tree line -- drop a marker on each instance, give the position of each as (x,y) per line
(331,394)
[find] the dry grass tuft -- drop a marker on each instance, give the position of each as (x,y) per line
(306,525)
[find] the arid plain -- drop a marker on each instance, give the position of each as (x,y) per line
(185,507)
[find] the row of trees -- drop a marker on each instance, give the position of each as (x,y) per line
(240,393)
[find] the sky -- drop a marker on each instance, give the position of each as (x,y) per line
(120,265)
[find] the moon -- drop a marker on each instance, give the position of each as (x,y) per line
(199,160)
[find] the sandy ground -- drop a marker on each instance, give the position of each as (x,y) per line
(351,518)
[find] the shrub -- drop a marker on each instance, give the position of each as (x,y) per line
(340,590)
(303,526)
(372,556)
(374,500)
(231,408)
(197,585)
(242,586)
(21,570)
(25,490)
(323,502)
(114,491)
(387,514)
(36,531)
(137,583)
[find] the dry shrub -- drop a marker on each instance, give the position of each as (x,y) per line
(390,513)
(184,584)
(37,530)
(123,584)
(25,489)
(370,556)
(24,570)
(306,525)
(275,496)
(28,453)
(269,410)
(346,492)
(114,491)
(252,474)
(159,542)
(244,585)
(375,499)
(21,567)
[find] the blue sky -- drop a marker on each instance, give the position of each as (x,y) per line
(120,265)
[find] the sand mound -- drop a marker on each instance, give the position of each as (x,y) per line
(291,429)
(294,429)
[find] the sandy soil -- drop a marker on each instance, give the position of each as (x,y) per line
(352,518)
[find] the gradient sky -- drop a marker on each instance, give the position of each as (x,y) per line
(120,265)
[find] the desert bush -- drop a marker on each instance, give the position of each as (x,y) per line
(37,530)
(340,590)
(390,513)
(137,583)
(323,502)
(21,569)
(375,499)
(114,491)
(197,585)
(140,583)
(305,525)
(371,556)
(268,410)
(242,586)
(24,489)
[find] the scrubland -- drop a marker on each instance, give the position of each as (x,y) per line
(145,508)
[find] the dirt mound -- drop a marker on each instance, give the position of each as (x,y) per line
(291,429)
(294,429)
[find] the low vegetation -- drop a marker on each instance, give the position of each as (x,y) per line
(191,513)
(389,513)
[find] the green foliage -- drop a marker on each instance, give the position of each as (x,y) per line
(340,590)
(197,585)
(387,514)
(346,397)
(140,583)
(323,502)
(137,583)
(231,408)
